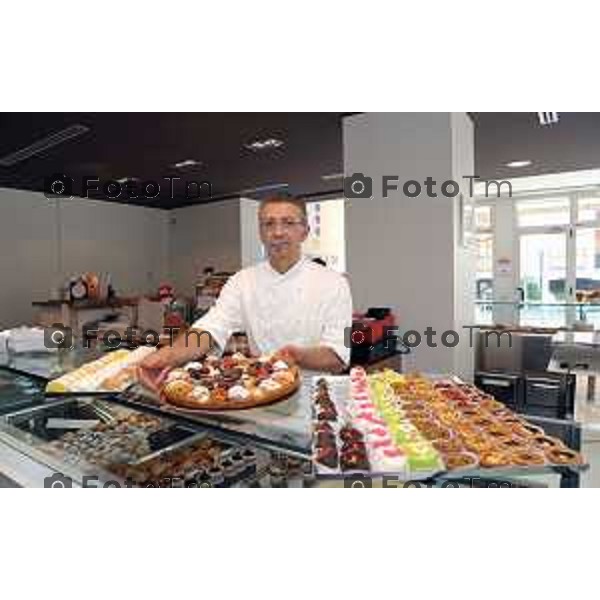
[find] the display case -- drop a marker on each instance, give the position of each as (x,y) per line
(130,439)
(126,440)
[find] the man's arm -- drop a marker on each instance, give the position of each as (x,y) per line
(211,330)
(331,354)
(188,346)
(315,358)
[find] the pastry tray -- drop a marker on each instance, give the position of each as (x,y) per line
(194,407)
(338,389)
(338,384)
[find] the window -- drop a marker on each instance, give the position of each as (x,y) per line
(588,210)
(483,218)
(543,213)
(484,264)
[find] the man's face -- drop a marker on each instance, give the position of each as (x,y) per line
(282,230)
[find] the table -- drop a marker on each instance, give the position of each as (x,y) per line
(577,352)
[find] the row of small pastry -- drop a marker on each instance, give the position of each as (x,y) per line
(112,372)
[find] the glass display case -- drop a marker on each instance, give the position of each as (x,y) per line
(127,440)
(19,391)
(131,439)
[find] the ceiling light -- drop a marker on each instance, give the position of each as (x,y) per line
(126,179)
(267,144)
(43,144)
(517,164)
(188,162)
(265,188)
(332,176)
(548,118)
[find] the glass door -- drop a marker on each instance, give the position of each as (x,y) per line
(587,266)
(543,279)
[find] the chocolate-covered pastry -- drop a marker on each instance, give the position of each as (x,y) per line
(354,460)
(208,383)
(232,374)
(327,456)
(325,438)
(350,434)
(322,395)
(323,426)
(327,414)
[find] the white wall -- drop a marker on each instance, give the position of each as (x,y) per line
(129,242)
(41,246)
(251,246)
(28,253)
(201,236)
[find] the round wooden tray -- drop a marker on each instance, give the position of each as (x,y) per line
(285,393)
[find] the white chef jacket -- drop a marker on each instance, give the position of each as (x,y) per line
(309,305)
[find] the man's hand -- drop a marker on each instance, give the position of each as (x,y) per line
(317,358)
(152,379)
(158,360)
(153,370)
(291,354)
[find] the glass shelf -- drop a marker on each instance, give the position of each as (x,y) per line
(541,314)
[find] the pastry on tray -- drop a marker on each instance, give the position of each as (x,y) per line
(233,382)
(113,372)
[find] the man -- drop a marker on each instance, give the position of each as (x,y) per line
(287,305)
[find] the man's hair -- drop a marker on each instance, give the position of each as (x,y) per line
(299,203)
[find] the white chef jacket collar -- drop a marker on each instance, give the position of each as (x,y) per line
(290,272)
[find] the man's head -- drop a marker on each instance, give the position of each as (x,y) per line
(283,227)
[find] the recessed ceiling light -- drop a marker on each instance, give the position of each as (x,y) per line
(44,144)
(265,188)
(125,179)
(332,176)
(517,164)
(548,118)
(188,162)
(266,144)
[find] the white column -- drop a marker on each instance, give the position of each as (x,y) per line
(506,263)
(414,254)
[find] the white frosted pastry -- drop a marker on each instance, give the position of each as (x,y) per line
(389,460)
(201,393)
(280,365)
(269,385)
(238,392)
(176,374)
(193,366)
